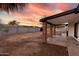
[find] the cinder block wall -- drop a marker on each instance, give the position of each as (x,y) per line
(7,30)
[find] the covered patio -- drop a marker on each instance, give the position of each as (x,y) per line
(63,19)
(67,20)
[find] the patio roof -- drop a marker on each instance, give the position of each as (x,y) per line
(61,17)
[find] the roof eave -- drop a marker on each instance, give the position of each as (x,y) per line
(58,15)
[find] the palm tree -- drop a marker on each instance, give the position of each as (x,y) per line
(11,6)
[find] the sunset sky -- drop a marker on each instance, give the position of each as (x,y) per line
(32,13)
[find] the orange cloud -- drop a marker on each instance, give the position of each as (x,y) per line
(34,12)
(40,10)
(62,6)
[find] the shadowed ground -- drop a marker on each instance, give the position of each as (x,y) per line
(26,45)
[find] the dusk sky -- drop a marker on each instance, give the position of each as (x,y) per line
(32,13)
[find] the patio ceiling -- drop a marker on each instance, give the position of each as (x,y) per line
(65,19)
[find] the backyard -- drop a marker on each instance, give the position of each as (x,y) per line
(29,44)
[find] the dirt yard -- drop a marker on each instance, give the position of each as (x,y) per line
(29,44)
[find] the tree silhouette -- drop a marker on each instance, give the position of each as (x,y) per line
(14,22)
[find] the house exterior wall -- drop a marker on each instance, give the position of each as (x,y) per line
(71,29)
(62,31)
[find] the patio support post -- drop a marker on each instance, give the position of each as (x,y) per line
(45,32)
(54,30)
(51,31)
